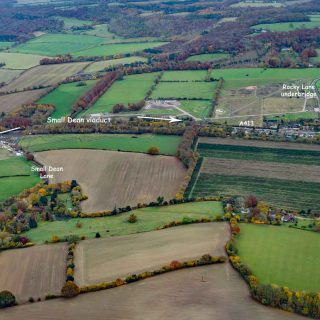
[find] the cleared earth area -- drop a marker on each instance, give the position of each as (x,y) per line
(109,259)
(204,293)
(116,178)
(33,272)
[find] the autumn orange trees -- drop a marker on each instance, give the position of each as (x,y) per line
(91,96)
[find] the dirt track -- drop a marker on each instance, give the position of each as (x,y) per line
(205,293)
(116,178)
(33,272)
(111,258)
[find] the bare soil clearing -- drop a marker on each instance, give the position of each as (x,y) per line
(45,75)
(112,258)
(230,167)
(116,178)
(203,293)
(262,144)
(10,102)
(33,272)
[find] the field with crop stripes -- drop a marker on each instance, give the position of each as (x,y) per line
(275,173)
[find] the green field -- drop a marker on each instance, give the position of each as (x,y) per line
(54,44)
(290,26)
(73,22)
(129,90)
(256,4)
(209,57)
(148,219)
(259,154)
(184,90)
(15,176)
(115,49)
(140,143)
(293,116)
(102,30)
(101,65)
(282,256)
(279,193)
(236,78)
(65,96)
(19,60)
(185,75)
(5,45)
(198,108)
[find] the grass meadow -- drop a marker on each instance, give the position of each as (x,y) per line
(185,75)
(115,48)
(54,44)
(280,255)
(5,45)
(236,78)
(290,26)
(101,65)
(140,143)
(15,176)
(131,89)
(148,219)
(184,90)
(20,60)
(65,96)
(208,57)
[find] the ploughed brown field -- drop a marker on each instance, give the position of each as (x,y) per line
(10,102)
(261,144)
(46,75)
(262,169)
(116,178)
(213,292)
(117,257)
(33,272)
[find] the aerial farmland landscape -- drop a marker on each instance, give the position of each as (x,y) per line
(159,159)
